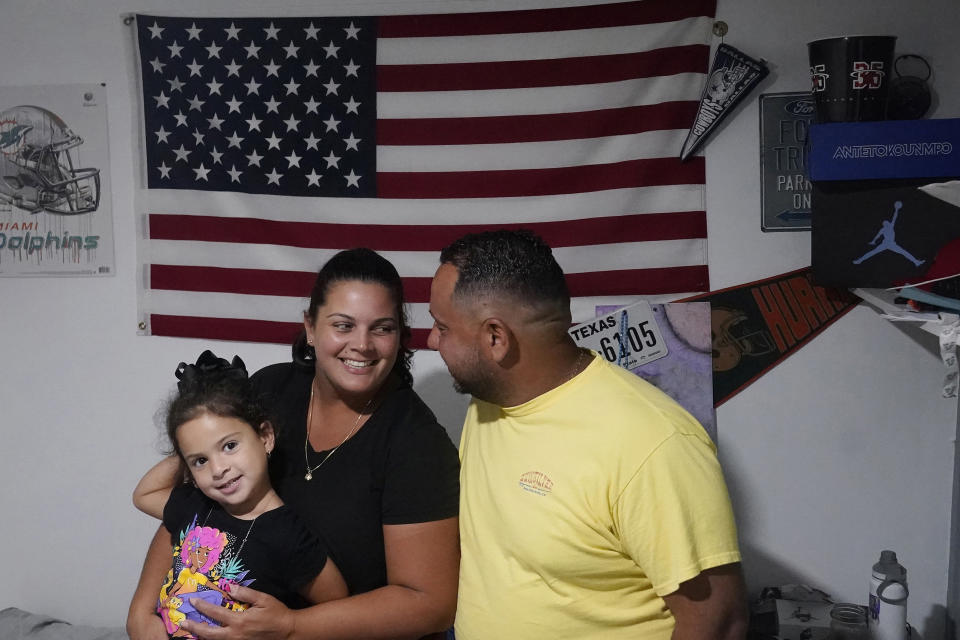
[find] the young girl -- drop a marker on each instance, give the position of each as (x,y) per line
(230,527)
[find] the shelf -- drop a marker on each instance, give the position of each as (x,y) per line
(883,300)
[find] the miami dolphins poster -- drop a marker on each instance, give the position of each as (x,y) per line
(756,326)
(55,215)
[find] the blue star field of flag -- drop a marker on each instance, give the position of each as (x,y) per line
(283,106)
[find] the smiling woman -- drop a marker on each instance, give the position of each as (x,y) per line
(355,337)
(363,461)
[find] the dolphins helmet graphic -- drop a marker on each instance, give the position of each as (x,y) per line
(38,166)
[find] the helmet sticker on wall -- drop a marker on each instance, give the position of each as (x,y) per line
(55,218)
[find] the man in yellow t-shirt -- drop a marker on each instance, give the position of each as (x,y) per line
(592,505)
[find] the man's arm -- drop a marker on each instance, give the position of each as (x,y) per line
(711,606)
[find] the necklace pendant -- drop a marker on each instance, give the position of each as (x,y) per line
(308,477)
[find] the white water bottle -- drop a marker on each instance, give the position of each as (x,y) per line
(887,618)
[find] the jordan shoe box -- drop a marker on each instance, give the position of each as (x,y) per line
(877,217)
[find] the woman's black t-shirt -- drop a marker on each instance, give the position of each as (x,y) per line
(399,468)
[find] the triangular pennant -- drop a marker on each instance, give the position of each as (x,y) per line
(757,325)
(731,78)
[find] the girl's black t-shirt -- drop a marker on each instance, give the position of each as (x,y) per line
(276,553)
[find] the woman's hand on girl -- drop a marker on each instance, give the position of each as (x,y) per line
(266,618)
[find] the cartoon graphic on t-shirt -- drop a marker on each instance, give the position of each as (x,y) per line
(205,566)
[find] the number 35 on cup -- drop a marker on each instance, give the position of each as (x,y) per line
(629,336)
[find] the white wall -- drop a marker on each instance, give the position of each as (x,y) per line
(847,447)
(843,450)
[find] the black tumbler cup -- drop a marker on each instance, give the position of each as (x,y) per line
(851,76)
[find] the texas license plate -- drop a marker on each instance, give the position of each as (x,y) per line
(628,337)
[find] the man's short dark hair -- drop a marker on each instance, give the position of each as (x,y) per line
(514,263)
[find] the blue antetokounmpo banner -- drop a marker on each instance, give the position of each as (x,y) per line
(885,150)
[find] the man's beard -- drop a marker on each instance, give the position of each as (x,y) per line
(477,381)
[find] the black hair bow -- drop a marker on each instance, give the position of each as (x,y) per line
(209,365)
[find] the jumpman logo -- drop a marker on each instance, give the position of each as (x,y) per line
(887,241)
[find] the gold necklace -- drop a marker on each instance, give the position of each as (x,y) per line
(576,367)
(306,443)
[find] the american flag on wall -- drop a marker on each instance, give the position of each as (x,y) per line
(271,143)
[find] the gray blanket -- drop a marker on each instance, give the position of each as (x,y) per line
(16,624)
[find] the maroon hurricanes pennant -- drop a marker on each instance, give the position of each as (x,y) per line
(756,326)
